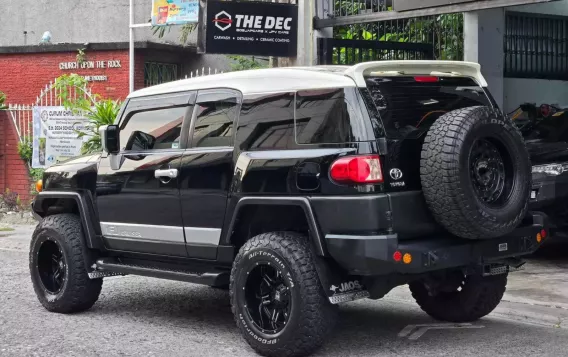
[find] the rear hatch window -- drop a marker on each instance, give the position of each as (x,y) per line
(408,103)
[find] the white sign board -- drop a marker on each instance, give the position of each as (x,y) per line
(55,135)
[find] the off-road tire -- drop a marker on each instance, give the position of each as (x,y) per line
(313,319)
(78,293)
(478,297)
(445,173)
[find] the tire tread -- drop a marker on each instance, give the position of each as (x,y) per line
(81,291)
(317,314)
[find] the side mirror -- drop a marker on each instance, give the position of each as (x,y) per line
(140,141)
(110,139)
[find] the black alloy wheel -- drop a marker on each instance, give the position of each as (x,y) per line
(268,300)
(491,172)
(277,299)
(51,266)
(58,265)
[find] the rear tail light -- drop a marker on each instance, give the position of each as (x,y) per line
(357,170)
(426,79)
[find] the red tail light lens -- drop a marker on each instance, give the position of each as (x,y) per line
(357,169)
(426,79)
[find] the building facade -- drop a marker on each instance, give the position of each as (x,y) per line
(89,38)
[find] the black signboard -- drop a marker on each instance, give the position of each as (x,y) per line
(251,28)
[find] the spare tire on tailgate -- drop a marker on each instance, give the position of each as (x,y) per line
(475,172)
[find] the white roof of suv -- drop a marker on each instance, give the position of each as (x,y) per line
(261,81)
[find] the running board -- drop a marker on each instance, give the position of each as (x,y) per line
(211,277)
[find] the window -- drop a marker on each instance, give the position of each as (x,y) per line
(266,122)
(153,129)
(157,73)
(536,46)
(215,114)
(325,116)
(406,104)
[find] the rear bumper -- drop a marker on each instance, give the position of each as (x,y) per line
(378,213)
(373,255)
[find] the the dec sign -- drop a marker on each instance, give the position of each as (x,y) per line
(263,22)
(262,29)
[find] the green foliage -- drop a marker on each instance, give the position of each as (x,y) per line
(241,63)
(3,101)
(444,32)
(103,112)
(25,149)
(98,111)
(76,83)
(185,31)
(36,174)
(81,56)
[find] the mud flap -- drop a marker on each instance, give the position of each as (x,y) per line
(337,284)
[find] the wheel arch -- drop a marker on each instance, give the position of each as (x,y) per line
(300,203)
(54,202)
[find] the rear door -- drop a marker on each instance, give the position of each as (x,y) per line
(138,189)
(408,106)
(206,170)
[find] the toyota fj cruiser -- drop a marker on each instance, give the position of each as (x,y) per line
(297,189)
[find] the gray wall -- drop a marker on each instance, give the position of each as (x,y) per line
(552,8)
(73,21)
(81,21)
(483,43)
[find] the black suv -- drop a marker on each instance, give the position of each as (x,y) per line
(297,189)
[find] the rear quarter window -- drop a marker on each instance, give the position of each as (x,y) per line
(293,120)
(330,116)
(408,103)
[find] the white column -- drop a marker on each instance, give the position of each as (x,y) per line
(131,48)
(483,43)
(307,35)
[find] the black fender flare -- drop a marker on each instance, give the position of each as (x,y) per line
(87,213)
(304,203)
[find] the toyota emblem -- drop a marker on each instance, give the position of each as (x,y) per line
(395,174)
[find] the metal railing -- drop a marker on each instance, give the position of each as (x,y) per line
(444,33)
(348,52)
(203,72)
(158,73)
(536,46)
(22,115)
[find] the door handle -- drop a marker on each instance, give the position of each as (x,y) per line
(170,173)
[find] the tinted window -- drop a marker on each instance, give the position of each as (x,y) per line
(266,122)
(327,116)
(406,104)
(216,113)
(153,129)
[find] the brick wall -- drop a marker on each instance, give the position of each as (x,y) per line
(25,75)
(3,121)
(14,170)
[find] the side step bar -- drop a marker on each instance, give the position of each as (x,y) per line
(212,277)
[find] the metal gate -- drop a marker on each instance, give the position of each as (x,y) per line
(348,52)
(22,115)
